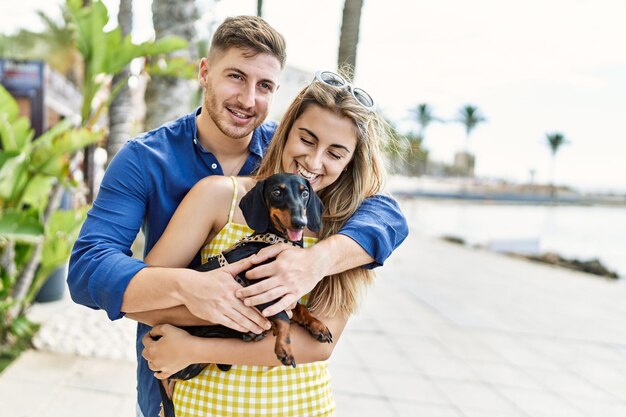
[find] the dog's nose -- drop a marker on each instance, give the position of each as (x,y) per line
(298,222)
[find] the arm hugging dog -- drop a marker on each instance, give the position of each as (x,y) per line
(277,209)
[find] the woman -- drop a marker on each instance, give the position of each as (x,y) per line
(331,136)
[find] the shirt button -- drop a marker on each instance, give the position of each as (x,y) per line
(213,165)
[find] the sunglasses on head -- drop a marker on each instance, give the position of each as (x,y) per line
(336,80)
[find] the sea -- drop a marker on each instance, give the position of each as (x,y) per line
(581,232)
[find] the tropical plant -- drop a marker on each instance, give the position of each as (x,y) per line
(104,55)
(349,38)
(35,238)
(424,116)
(555,141)
(107,53)
(470,117)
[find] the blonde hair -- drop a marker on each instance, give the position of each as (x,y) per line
(363,177)
(250,33)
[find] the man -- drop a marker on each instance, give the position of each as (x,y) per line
(149,177)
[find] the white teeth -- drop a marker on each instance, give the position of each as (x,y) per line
(306,174)
(241,115)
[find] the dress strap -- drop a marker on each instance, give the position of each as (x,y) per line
(234,202)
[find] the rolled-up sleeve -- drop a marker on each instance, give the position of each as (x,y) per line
(378,226)
(101,265)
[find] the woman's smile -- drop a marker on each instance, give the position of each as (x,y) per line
(319,147)
(303,172)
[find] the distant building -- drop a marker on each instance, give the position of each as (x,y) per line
(464,164)
(43,95)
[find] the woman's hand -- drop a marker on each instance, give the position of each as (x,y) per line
(167,354)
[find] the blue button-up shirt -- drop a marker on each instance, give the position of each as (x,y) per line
(143,186)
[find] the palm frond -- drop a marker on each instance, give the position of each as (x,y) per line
(470,116)
(555,141)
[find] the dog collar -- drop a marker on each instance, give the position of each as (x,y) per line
(269,238)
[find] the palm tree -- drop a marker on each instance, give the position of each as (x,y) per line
(169,97)
(120,110)
(349,37)
(424,116)
(555,141)
(470,117)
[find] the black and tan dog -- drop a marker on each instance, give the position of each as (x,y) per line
(278,209)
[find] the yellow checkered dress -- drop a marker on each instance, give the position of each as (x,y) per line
(248,391)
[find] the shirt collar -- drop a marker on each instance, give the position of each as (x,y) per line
(195,123)
(256,143)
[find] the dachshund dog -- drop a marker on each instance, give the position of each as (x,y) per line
(277,209)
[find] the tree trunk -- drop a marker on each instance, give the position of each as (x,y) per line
(120,110)
(552,185)
(349,38)
(259,8)
(168,98)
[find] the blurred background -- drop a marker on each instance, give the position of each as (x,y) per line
(531,69)
(507,116)
(494,101)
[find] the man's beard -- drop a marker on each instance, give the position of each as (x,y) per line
(213,110)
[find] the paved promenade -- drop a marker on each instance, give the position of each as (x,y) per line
(446,332)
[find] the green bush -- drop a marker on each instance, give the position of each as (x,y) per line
(35,238)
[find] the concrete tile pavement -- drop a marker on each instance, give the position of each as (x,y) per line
(446,331)
(46,384)
(478,334)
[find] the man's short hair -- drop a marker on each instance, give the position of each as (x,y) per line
(251,33)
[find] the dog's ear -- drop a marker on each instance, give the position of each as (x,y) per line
(314,209)
(254,209)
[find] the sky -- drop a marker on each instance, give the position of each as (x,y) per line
(532,67)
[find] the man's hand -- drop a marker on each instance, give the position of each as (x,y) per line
(294,273)
(212,297)
(164,349)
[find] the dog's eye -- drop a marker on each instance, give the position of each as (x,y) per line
(276,193)
(305,194)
